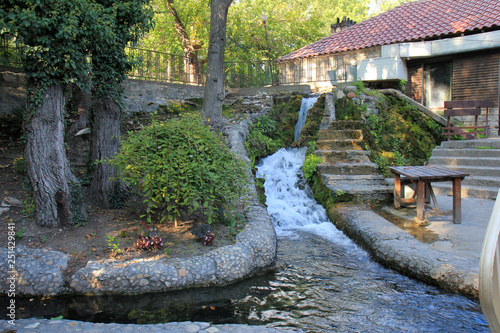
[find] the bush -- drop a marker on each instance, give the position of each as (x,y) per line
(180,164)
(310,165)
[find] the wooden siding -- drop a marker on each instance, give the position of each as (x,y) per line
(414,83)
(476,77)
(316,69)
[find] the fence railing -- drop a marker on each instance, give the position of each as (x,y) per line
(166,67)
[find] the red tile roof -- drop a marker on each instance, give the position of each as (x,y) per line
(411,21)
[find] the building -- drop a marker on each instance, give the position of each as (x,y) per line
(442,49)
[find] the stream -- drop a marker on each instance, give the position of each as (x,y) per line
(323,282)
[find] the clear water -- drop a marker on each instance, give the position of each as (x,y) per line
(323,282)
(307,103)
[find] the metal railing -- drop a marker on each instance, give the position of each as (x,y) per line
(166,67)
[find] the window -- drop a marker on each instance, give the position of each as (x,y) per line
(437,84)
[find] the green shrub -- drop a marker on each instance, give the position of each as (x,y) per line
(180,164)
(261,140)
(400,135)
(310,165)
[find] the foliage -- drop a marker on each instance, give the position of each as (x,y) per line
(400,135)
(149,243)
(290,25)
(125,22)
(19,233)
(310,164)
(324,195)
(113,244)
(181,164)
(345,109)
(204,233)
(262,139)
(53,37)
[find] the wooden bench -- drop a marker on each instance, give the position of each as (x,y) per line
(465,108)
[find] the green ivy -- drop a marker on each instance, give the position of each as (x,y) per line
(180,164)
(400,135)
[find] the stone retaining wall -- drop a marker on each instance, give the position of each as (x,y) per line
(399,250)
(39,272)
(140,95)
(12,90)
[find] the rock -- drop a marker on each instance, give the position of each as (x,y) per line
(11,202)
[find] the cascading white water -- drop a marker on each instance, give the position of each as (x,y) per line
(307,103)
(290,200)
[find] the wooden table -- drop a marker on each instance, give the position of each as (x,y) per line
(423,176)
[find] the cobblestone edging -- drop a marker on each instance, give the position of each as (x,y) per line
(61,326)
(399,250)
(39,272)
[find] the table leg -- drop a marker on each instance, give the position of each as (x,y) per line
(457,201)
(397,191)
(420,200)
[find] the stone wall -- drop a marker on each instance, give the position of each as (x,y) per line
(140,96)
(148,96)
(12,91)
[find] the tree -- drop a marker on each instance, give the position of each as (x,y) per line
(127,20)
(291,25)
(214,86)
(53,36)
(191,47)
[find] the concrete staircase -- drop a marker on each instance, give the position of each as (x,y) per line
(479,158)
(346,166)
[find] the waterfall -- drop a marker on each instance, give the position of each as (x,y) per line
(307,103)
(290,201)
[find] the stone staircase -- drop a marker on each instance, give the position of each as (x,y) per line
(346,166)
(479,158)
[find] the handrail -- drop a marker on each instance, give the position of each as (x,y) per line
(489,270)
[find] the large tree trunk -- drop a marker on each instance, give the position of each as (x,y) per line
(55,188)
(214,86)
(105,142)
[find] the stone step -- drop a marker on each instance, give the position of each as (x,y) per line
(334,134)
(466,161)
(481,181)
(482,192)
(334,156)
(346,124)
(454,144)
(367,194)
(335,180)
(338,144)
(367,168)
(465,152)
(473,170)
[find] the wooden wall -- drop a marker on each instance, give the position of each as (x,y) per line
(476,77)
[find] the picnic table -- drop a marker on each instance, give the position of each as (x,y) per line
(423,176)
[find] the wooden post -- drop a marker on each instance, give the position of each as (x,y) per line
(420,200)
(457,202)
(397,191)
